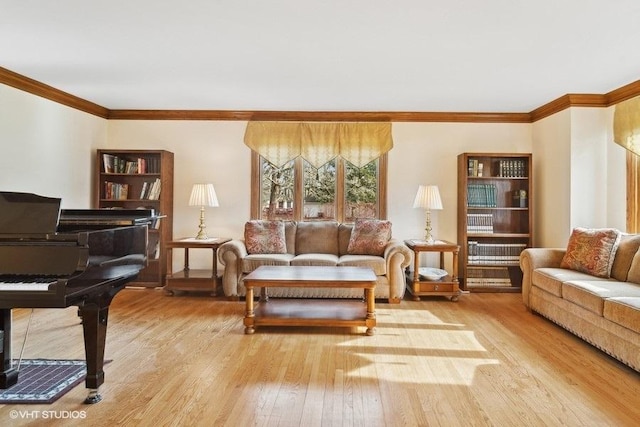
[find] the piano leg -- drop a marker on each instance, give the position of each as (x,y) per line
(94,325)
(8,375)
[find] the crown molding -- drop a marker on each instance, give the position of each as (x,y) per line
(623,93)
(567,101)
(34,87)
(319,116)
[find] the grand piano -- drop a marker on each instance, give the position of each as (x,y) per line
(55,259)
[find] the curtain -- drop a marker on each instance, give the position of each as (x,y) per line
(318,142)
(278,142)
(626,124)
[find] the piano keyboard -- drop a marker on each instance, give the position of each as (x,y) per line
(25,283)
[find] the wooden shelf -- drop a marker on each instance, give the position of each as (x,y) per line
(160,164)
(497,225)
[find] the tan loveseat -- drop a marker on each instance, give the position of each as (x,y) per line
(603,311)
(317,243)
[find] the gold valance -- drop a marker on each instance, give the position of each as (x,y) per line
(318,142)
(626,124)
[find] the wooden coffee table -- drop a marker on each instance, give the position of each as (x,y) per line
(310,311)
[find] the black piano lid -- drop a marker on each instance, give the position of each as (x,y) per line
(116,217)
(28,215)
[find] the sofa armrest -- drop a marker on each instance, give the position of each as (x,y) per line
(231,254)
(533,258)
(397,258)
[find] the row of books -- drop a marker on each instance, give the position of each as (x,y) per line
(479,223)
(494,253)
(481,195)
(487,277)
(515,168)
(118,191)
(151,190)
(115,164)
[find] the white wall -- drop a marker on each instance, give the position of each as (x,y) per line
(47,148)
(552,179)
(204,151)
(579,174)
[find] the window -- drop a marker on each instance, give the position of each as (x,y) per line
(337,190)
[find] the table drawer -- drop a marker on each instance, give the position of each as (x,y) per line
(434,287)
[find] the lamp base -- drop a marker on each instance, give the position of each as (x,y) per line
(428,237)
(202,234)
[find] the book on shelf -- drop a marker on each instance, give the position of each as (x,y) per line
(150,190)
(481,195)
(479,223)
(116,191)
(476,169)
(487,277)
(115,164)
(108,162)
(512,168)
(494,253)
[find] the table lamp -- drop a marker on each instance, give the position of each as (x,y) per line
(203,195)
(428,198)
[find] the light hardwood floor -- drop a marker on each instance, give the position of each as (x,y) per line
(184,360)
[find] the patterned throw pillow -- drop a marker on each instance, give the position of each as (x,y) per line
(265,237)
(369,237)
(592,251)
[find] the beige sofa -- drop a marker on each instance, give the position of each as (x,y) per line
(603,311)
(317,243)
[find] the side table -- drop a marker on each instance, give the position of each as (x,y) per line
(447,286)
(202,280)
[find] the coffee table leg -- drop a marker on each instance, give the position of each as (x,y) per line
(249,315)
(371,311)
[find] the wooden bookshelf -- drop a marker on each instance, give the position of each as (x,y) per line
(495,219)
(131,179)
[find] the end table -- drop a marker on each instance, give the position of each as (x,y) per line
(447,286)
(198,279)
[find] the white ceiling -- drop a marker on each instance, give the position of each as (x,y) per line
(330,55)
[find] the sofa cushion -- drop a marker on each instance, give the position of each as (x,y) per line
(329,260)
(625,311)
(550,279)
(591,251)
(376,263)
(265,237)
(253,261)
(633,275)
(627,249)
(320,237)
(591,294)
(369,237)
(290,229)
(344,236)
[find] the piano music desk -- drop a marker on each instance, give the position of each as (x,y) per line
(194,280)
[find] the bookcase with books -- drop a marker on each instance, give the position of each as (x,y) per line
(132,179)
(495,219)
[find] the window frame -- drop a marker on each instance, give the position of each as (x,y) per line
(633,189)
(256,186)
